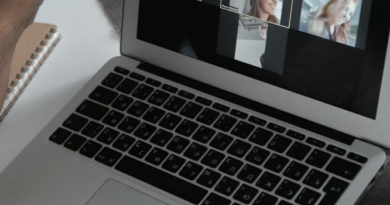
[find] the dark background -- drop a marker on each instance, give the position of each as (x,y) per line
(329,72)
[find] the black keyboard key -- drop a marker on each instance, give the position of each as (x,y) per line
(336,150)
(112,80)
(169,88)
(122,71)
(261,136)
(138,109)
(173,163)
(268,181)
(158,98)
(103,95)
(108,136)
(214,199)
(239,114)
(276,127)
(221,141)
(153,82)
(318,158)
(142,92)
(208,178)
(284,203)
(186,128)
(279,143)
(276,163)
(122,103)
(124,142)
(243,130)
(265,199)
(162,180)
(195,151)
(153,115)
(137,76)
(174,104)
(170,121)
(343,168)
(178,144)
(90,149)
(295,135)
(113,118)
(213,158)
(203,101)
(190,170)
(191,110)
(207,116)
(298,151)
(129,124)
(357,158)
(60,135)
(334,189)
(231,166)
(75,142)
(315,179)
(220,107)
(92,129)
(315,142)
(156,156)
(296,171)
(225,123)
(308,197)
(186,94)
(287,189)
(145,131)
(239,148)
(249,173)
(75,122)
(227,186)
(127,86)
(245,194)
(92,110)
(257,156)
(108,157)
(203,134)
(257,121)
(140,149)
(161,138)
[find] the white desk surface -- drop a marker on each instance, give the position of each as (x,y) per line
(89,41)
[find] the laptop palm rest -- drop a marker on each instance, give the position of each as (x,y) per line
(115,193)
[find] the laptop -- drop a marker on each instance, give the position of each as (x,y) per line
(222,103)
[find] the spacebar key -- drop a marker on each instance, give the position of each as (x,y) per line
(161,180)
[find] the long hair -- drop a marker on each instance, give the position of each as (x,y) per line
(328,16)
(255,12)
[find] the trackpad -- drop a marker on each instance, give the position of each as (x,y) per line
(115,193)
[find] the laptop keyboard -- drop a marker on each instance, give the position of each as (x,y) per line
(201,151)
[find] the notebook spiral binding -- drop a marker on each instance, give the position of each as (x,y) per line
(28,71)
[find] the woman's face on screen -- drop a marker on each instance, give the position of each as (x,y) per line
(348,13)
(268,6)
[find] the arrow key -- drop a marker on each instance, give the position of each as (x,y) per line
(334,189)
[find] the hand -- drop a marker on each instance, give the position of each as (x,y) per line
(18,14)
(263,30)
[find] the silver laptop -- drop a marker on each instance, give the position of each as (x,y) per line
(222,103)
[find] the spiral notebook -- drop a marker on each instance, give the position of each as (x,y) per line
(32,49)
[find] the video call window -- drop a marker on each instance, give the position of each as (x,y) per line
(271,11)
(334,20)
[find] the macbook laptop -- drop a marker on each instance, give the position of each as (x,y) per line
(264,102)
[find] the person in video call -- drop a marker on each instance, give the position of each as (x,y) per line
(264,10)
(15,17)
(331,21)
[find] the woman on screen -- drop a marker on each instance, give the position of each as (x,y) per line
(264,10)
(332,21)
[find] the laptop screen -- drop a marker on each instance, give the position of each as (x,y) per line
(332,51)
